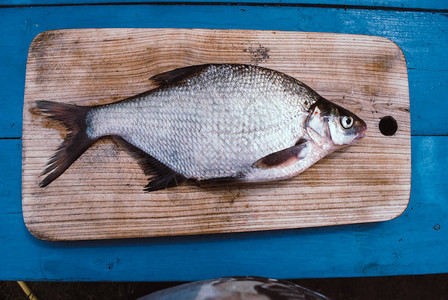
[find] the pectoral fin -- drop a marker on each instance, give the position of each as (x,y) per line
(282,158)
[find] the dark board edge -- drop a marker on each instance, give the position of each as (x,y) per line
(413,5)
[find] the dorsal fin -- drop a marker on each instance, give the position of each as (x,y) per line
(176,75)
(162,176)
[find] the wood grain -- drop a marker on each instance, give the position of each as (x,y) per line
(100,196)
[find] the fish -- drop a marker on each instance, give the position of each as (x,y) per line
(236,288)
(211,122)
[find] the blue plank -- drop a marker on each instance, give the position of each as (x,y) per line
(421,35)
(380,4)
(414,243)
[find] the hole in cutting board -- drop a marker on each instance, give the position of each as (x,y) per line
(388,125)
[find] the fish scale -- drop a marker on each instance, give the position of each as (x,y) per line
(214,121)
(206,112)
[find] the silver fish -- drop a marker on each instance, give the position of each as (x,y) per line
(211,122)
(236,288)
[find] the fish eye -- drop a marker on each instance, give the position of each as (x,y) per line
(347,122)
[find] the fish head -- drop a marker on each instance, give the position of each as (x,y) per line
(333,126)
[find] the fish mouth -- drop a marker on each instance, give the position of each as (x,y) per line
(362,134)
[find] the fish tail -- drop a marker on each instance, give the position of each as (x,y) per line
(74,144)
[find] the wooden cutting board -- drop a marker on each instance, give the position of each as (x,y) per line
(100,196)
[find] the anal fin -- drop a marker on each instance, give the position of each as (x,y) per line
(162,176)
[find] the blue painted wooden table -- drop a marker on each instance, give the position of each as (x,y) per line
(414,243)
